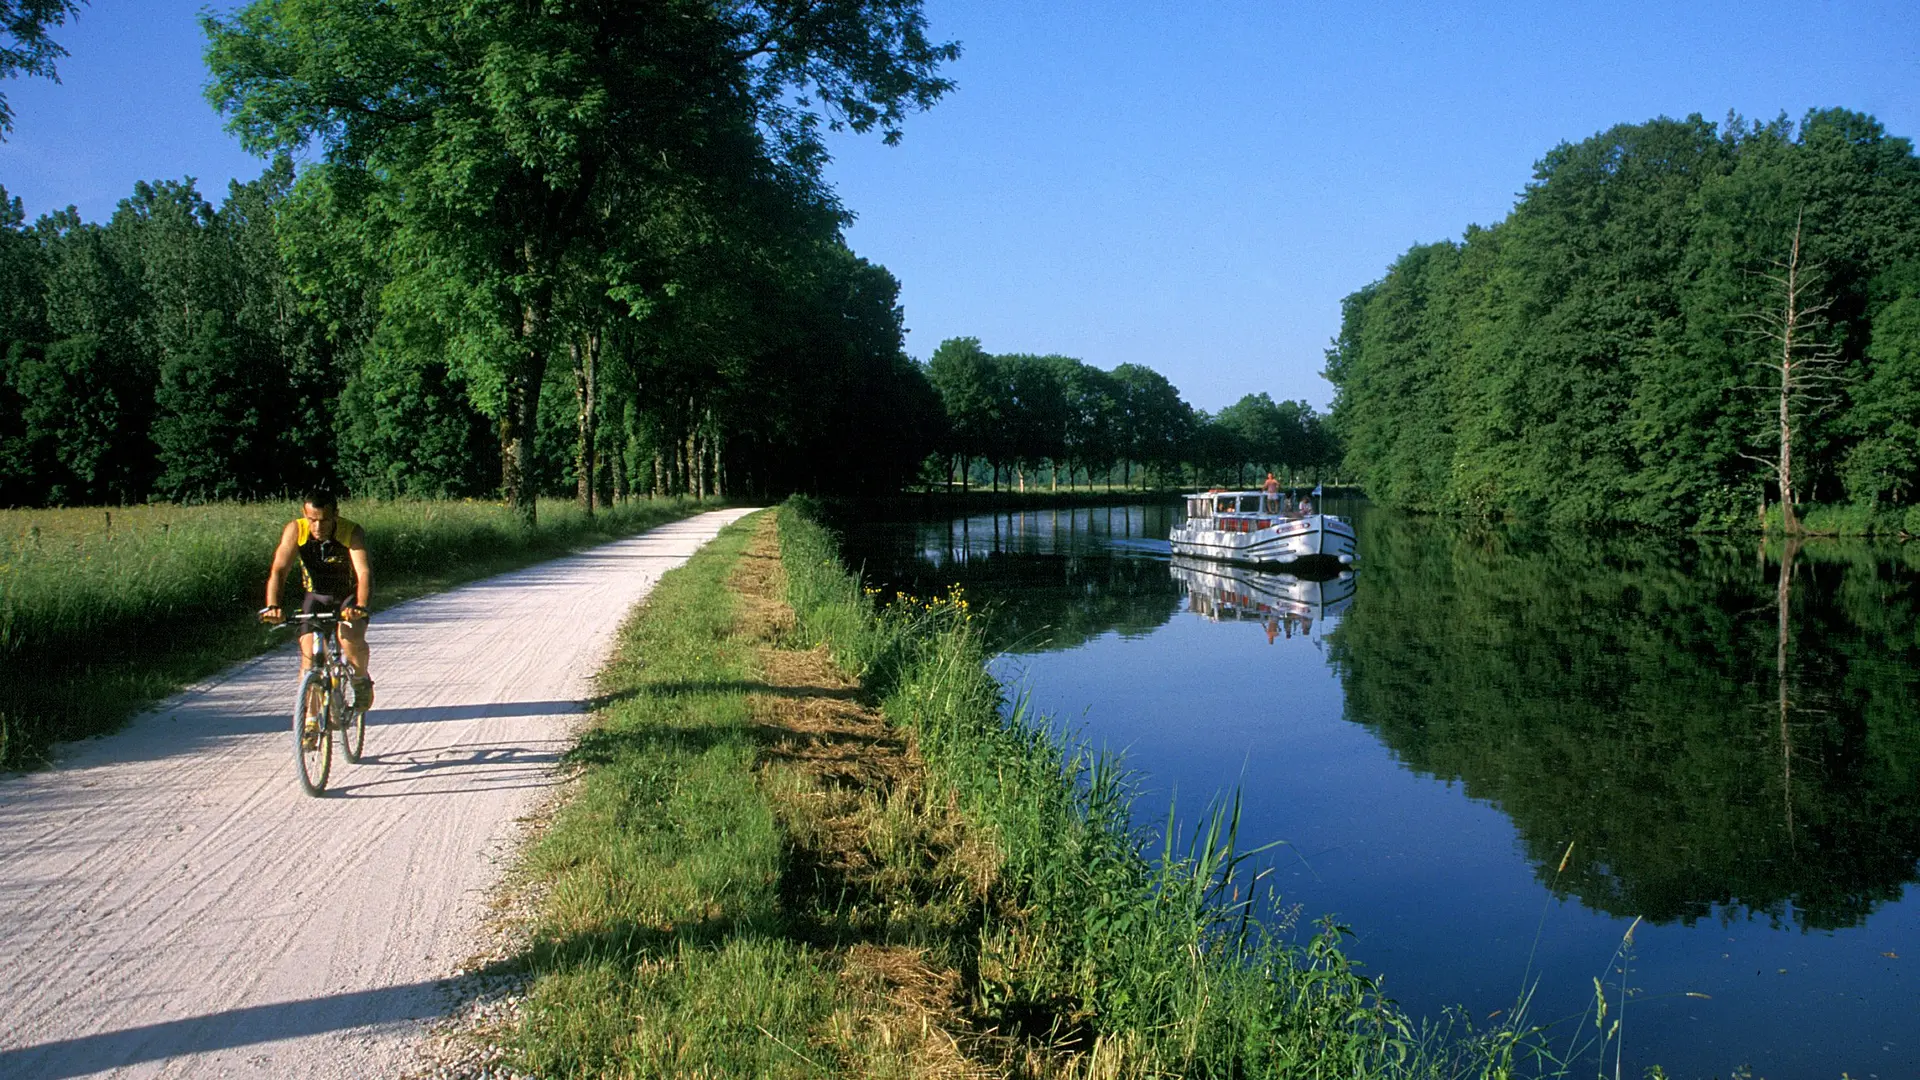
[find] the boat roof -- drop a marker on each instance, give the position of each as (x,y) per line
(1217,492)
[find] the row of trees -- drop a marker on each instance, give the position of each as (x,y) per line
(1676,322)
(533,247)
(1017,413)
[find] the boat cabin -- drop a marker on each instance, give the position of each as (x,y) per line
(1239,511)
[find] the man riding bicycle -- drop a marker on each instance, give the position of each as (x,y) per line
(332,553)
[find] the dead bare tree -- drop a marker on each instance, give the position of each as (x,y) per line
(1807,371)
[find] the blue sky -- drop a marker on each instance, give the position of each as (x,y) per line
(1188,186)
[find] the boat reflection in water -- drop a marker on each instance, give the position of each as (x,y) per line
(1283,604)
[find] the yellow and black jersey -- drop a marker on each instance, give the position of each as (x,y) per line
(325,566)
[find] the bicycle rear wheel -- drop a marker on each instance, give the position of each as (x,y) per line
(312,742)
(353,720)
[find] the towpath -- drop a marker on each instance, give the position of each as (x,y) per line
(171,904)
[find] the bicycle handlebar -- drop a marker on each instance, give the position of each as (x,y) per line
(311,620)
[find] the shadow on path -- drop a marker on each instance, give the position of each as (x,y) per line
(227,1030)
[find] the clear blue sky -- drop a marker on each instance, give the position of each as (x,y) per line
(1188,186)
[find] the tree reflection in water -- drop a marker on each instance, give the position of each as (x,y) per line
(1713,736)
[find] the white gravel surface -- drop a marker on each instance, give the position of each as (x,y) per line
(171,904)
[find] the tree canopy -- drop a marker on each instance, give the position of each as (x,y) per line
(566,247)
(1599,355)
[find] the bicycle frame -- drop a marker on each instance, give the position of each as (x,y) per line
(316,716)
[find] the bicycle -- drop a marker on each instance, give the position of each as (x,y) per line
(321,705)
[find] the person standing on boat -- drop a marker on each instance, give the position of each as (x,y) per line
(1272,488)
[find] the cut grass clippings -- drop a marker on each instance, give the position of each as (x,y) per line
(763,874)
(104,611)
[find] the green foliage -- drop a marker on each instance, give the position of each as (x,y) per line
(1017,411)
(1593,357)
(529,180)
(26,46)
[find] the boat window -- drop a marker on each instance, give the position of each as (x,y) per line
(1249,504)
(1224,505)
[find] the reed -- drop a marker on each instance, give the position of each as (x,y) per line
(1112,959)
(105,610)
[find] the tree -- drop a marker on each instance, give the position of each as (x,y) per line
(485,148)
(1090,435)
(1155,424)
(1806,369)
(1883,468)
(963,375)
(26,48)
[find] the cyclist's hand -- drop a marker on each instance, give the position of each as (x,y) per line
(353,613)
(272,615)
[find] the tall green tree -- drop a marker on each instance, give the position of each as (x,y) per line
(484,146)
(1156,426)
(963,374)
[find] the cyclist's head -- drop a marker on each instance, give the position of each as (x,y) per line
(321,508)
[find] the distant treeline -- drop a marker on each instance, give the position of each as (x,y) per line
(1641,340)
(1019,414)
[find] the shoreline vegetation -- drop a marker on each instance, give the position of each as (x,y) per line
(807,840)
(105,610)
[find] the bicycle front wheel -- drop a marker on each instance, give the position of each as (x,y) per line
(312,742)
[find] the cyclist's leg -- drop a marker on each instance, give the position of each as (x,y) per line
(353,646)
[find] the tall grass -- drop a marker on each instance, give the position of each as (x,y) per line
(103,610)
(1125,961)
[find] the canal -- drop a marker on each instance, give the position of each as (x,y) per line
(1517,763)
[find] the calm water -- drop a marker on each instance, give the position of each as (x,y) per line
(1428,736)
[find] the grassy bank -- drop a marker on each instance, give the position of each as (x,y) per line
(808,843)
(103,611)
(1849,519)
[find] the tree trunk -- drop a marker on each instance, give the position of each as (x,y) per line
(586,448)
(518,478)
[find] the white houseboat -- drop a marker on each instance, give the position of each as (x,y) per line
(1260,528)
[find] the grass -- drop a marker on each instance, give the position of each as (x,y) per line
(106,610)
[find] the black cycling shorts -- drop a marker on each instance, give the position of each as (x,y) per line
(316,602)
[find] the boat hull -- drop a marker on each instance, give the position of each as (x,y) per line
(1318,537)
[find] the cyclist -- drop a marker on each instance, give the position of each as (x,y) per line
(332,553)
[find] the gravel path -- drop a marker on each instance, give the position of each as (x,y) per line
(171,905)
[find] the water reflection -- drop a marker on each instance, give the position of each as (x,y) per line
(1050,580)
(1716,731)
(1280,603)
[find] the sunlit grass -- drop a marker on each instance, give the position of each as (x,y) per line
(104,610)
